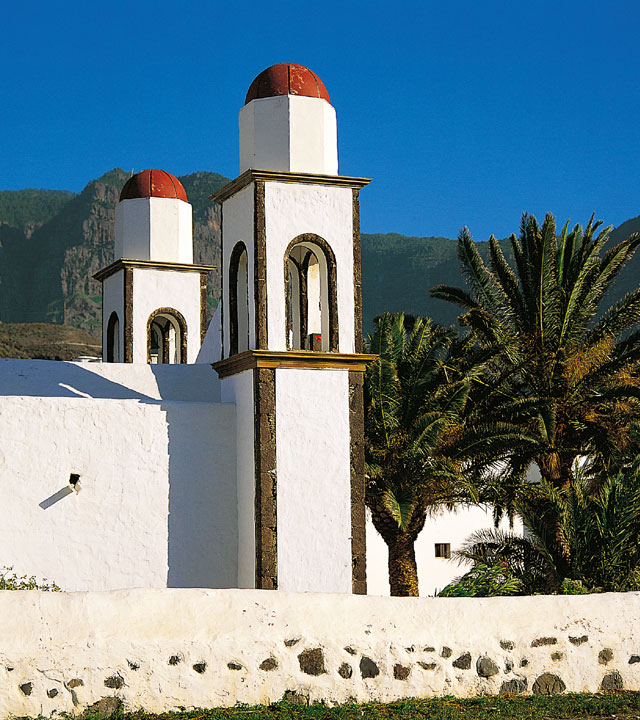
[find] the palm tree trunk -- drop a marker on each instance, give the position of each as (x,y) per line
(403,571)
(559,474)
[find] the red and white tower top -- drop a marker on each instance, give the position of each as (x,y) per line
(288,123)
(153,219)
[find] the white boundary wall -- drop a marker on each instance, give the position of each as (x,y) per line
(166,650)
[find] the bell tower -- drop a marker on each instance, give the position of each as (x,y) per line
(292,341)
(153,295)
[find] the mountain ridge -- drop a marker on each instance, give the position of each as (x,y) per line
(53,241)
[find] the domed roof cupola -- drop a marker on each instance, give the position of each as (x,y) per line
(153,183)
(288,124)
(287,79)
(154,219)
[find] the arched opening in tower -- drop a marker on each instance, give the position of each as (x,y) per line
(113,338)
(311,311)
(239,300)
(166,337)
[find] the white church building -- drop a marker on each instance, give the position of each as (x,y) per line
(228,456)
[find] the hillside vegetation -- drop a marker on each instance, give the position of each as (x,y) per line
(53,241)
(28,209)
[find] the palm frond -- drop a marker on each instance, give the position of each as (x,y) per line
(400,505)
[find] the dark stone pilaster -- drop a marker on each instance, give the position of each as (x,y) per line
(203,306)
(260,265)
(264,388)
(128,315)
(223,280)
(358,532)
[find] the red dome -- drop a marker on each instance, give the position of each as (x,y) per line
(153,183)
(287,79)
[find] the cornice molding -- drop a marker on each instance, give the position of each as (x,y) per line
(251,359)
(153,265)
(249,176)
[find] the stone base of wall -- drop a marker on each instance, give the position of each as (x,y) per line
(167,650)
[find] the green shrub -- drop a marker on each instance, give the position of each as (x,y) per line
(10,581)
(484,581)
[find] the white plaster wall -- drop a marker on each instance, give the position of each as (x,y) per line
(132,229)
(313,480)
(203,524)
(113,300)
(264,134)
(50,639)
(291,210)
(237,226)
(112,381)
(112,533)
(157,475)
(290,133)
(153,228)
(313,136)
(153,289)
(211,348)
(238,389)
(443,526)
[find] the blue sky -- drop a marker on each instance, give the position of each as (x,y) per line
(463,112)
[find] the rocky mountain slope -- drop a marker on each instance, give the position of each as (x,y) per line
(52,242)
(49,251)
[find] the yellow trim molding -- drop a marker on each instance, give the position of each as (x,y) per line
(251,359)
(249,176)
(153,264)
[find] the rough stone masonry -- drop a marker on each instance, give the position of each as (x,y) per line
(165,650)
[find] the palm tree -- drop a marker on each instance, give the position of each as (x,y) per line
(417,439)
(564,371)
(599,520)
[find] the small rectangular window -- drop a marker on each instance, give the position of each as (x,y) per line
(443,550)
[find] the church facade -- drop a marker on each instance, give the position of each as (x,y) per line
(222,456)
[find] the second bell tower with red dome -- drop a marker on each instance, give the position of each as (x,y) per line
(153,295)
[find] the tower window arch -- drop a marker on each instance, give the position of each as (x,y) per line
(113,338)
(166,337)
(310,294)
(238,300)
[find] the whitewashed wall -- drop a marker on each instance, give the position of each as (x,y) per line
(291,210)
(113,300)
(165,650)
(444,526)
(154,228)
(153,289)
(237,226)
(211,348)
(290,133)
(238,389)
(155,452)
(314,480)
